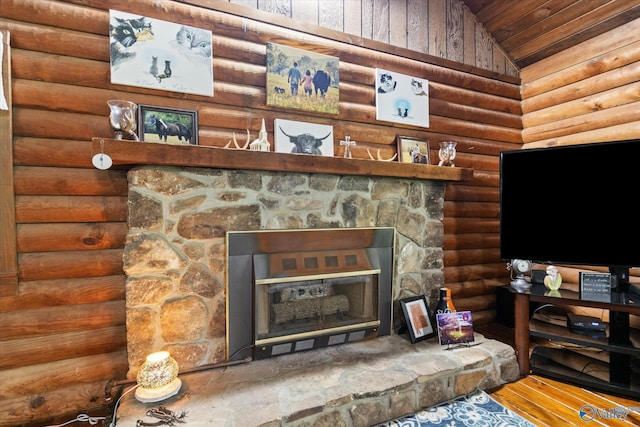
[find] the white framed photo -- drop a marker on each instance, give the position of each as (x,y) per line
(303,138)
(401,98)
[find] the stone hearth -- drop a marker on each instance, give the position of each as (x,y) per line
(356,385)
(175,251)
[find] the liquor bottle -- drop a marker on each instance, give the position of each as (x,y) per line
(445,305)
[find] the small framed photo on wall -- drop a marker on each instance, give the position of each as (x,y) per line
(416,314)
(413,150)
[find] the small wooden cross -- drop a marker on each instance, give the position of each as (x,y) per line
(347,146)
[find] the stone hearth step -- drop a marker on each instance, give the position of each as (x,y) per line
(356,384)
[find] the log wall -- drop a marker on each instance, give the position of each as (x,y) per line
(588,95)
(62,309)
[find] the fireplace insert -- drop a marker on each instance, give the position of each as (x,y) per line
(295,290)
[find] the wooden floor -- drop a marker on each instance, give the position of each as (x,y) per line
(548,402)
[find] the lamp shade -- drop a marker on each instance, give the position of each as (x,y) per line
(158,378)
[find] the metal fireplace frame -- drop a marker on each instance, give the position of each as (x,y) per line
(248,265)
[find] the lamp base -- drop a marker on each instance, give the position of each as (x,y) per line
(150,395)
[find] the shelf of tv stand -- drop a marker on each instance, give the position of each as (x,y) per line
(541,329)
(617,345)
(543,364)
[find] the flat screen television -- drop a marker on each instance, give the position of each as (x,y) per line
(573,204)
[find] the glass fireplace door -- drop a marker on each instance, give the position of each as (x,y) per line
(303,307)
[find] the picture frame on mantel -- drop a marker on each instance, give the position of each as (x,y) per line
(167,125)
(303,138)
(416,315)
(413,150)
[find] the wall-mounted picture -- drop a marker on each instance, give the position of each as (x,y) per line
(401,98)
(156,54)
(455,328)
(416,315)
(413,150)
(302,79)
(167,125)
(303,138)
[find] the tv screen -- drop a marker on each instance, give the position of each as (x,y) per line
(573,204)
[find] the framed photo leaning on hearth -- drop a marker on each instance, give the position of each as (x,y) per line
(413,150)
(416,314)
(167,125)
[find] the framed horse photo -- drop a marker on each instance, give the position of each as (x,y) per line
(167,125)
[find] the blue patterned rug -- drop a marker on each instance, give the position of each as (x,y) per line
(477,409)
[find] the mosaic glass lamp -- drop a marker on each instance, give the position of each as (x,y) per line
(158,378)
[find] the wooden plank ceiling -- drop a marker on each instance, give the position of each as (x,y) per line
(531,30)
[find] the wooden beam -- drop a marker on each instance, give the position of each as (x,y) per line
(8,254)
(124,152)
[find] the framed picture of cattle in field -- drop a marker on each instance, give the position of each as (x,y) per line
(302,79)
(303,138)
(167,125)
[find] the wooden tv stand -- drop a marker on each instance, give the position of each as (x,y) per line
(620,378)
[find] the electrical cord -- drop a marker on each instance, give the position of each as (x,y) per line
(82,418)
(95,420)
(115,408)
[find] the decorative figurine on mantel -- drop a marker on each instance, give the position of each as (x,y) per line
(380,158)
(123,118)
(237,146)
(447,153)
(261,144)
(347,146)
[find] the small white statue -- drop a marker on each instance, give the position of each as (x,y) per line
(261,144)
(553,279)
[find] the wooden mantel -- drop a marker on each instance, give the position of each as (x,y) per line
(129,153)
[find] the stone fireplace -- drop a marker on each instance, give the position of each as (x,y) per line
(179,218)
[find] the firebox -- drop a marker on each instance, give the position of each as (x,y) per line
(296,290)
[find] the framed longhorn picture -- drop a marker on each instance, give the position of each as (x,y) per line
(167,125)
(303,138)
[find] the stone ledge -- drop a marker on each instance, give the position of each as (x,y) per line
(356,384)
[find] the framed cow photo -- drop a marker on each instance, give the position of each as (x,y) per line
(167,125)
(303,138)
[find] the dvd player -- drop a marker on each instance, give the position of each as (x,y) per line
(579,322)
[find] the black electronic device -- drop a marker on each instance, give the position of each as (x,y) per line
(578,322)
(537,276)
(547,195)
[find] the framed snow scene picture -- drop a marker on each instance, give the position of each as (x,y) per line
(156,54)
(401,98)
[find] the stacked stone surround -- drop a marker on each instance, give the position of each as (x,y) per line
(174,255)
